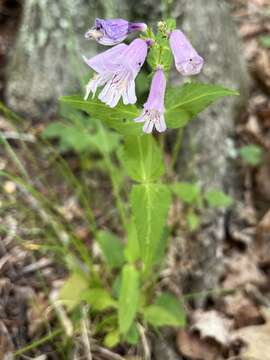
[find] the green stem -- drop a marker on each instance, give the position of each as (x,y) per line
(39,342)
(218,292)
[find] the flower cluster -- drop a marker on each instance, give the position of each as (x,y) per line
(117,68)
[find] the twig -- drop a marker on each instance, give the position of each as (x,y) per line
(11,230)
(146,348)
(67,324)
(107,353)
(40,264)
(5,259)
(85,325)
(12,135)
(39,342)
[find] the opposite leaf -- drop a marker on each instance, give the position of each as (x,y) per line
(251,154)
(71,292)
(142,158)
(112,339)
(188,192)
(185,102)
(80,139)
(218,199)
(193,221)
(112,248)
(166,311)
(132,250)
(129,298)
(99,299)
(150,204)
(119,118)
(133,335)
(264,41)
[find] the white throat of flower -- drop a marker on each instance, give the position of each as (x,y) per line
(152,118)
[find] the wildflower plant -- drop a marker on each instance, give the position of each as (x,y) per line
(128,295)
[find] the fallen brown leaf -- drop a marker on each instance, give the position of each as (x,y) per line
(248,29)
(242,309)
(6,344)
(262,67)
(241,270)
(256,340)
(262,183)
(195,348)
(38,313)
(263,237)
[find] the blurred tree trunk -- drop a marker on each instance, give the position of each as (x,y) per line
(209,140)
(46,61)
(46,65)
(10,14)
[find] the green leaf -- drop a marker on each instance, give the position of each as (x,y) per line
(193,221)
(251,154)
(119,118)
(105,140)
(159,252)
(99,299)
(132,249)
(106,323)
(133,335)
(142,158)
(142,83)
(112,248)
(152,57)
(112,339)
(218,199)
(80,139)
(173,305)
(149,34)
(71,292)
(160,54)
(150,204)
(264,41)
(158,316)
(129,298)
(75,139)
(185,102)
(116,285)
(171,24)
(54,130)
(187,192)
(166,311)
(166,58)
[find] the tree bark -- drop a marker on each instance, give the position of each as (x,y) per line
(46,61)
(208,140)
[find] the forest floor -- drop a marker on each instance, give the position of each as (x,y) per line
(229,326)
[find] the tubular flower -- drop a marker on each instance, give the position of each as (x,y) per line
(153,113)
(101,64)
(117,69)
(113,31)
(187,60)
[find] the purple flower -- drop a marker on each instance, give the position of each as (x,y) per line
(117,69)
(153,113)
(113,31)
(101,64)
(187,60)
